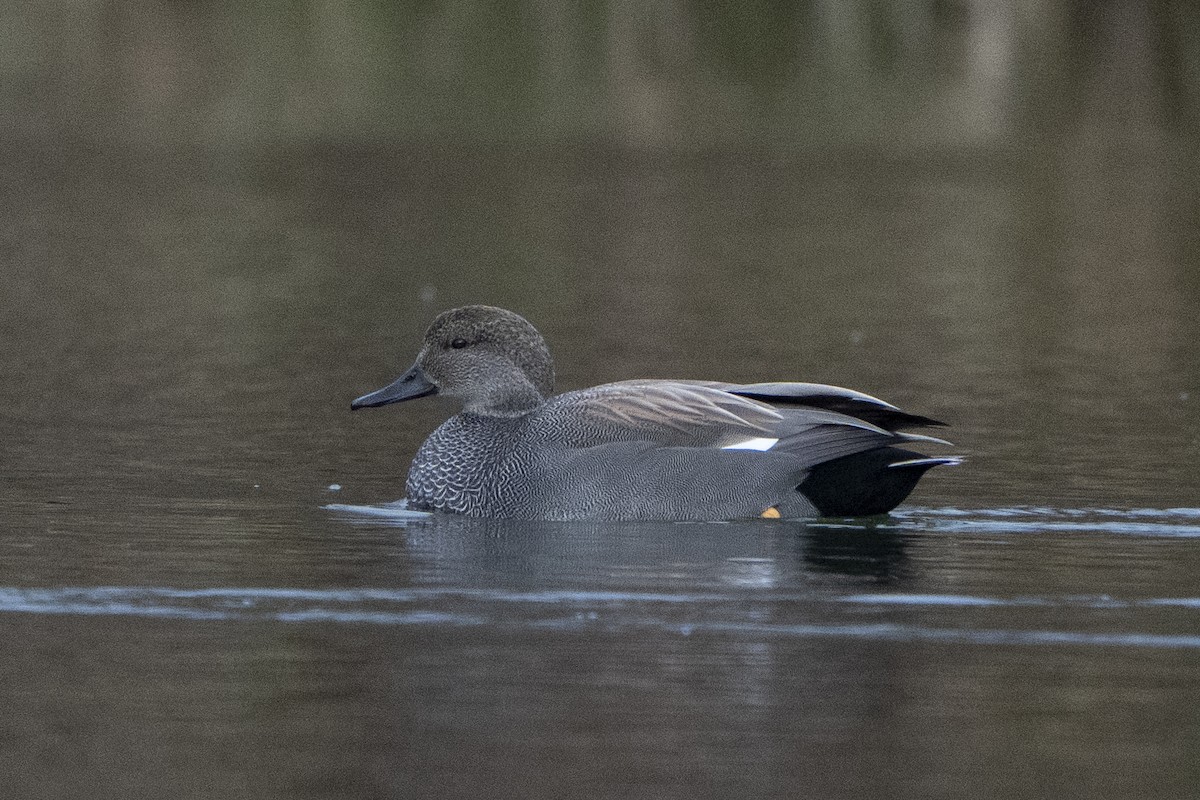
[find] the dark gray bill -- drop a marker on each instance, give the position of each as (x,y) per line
(408,386)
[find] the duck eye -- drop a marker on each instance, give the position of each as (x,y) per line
(458,344)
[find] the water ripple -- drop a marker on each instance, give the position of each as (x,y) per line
(717,613)
(1149,522)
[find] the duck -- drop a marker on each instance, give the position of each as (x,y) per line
(643,449)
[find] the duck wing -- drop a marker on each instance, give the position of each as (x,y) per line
(715,416)
(831,398)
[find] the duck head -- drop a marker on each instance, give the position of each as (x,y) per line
(492,360)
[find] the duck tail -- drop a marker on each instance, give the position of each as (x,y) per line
(867,483)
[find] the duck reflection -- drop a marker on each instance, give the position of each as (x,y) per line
(644,556)
(860,550)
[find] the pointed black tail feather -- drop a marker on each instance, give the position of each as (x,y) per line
(868,483)
(888,418)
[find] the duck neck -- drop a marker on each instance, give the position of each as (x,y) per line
(507,400)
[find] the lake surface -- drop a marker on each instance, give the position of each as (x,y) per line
(210,246)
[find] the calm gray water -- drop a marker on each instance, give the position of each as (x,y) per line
(221,225)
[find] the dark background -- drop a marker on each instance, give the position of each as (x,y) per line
(222,221)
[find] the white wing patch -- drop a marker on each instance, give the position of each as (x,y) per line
(757,443)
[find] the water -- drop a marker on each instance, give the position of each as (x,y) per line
(377,654)
(209,247)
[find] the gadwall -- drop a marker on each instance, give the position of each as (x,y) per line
(641,449)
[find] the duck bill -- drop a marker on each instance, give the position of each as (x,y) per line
(409,386)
